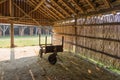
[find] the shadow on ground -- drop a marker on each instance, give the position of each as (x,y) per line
(68,67)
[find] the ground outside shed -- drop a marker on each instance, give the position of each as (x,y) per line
(23,63)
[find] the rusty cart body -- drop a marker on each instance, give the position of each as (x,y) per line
(50,48)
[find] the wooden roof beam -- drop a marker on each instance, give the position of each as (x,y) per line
(40,3)
(40,10)
(51,12)
(2,1)
(67,6)
(82,11)
(44,11)
(91,4)
(26,14)
(64,11)
(107,2)
(56,10)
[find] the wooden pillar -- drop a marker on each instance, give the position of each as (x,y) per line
(75,27)
(12,35)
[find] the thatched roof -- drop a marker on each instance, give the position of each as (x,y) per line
(45,12)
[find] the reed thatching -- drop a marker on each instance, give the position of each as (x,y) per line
(94,38)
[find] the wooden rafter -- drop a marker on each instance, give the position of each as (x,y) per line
(107,2)
(91,4)
(2,1)
(51,12)
(68,7)
(40,3)
(45,12)
(40,10)
(64,11)
(82,11)
(26,14)
(32,5)
(56,10)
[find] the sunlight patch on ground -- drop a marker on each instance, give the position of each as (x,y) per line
(17,53)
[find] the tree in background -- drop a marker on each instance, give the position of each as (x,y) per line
(36,30)
(21,31)
(31,31)
(0,32)
(3,28)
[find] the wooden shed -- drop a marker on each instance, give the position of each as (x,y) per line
(91,30)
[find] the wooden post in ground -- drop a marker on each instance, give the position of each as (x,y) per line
(11,7)
(75,27)
(12,35)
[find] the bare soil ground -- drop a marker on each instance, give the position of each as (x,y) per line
(23,63)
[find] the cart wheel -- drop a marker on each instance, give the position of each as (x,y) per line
(52,59)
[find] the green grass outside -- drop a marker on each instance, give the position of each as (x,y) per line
(22,41)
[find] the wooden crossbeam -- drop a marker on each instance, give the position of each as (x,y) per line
(68,7)
(56,10)
(37,7)
(91,4)
(40,3)
(107,2)
(26,14)
(82,11)
(33,5)
(40,10)
(2,1)
(51,12)
(45,12)
(64,11)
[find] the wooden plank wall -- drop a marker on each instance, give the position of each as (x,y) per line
(96,43)
(65,30)
(99,42)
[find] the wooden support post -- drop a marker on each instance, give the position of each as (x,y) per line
(51,38)
(62,41)
(12,35)
(11,7)
(39,39)
(75,33)
(45,43)
(45,40)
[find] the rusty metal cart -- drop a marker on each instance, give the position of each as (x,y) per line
(50,48)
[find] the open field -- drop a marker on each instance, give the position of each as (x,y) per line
(22,41)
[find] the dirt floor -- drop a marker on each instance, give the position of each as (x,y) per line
(23,63)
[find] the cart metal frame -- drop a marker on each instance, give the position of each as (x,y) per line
(50,48)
